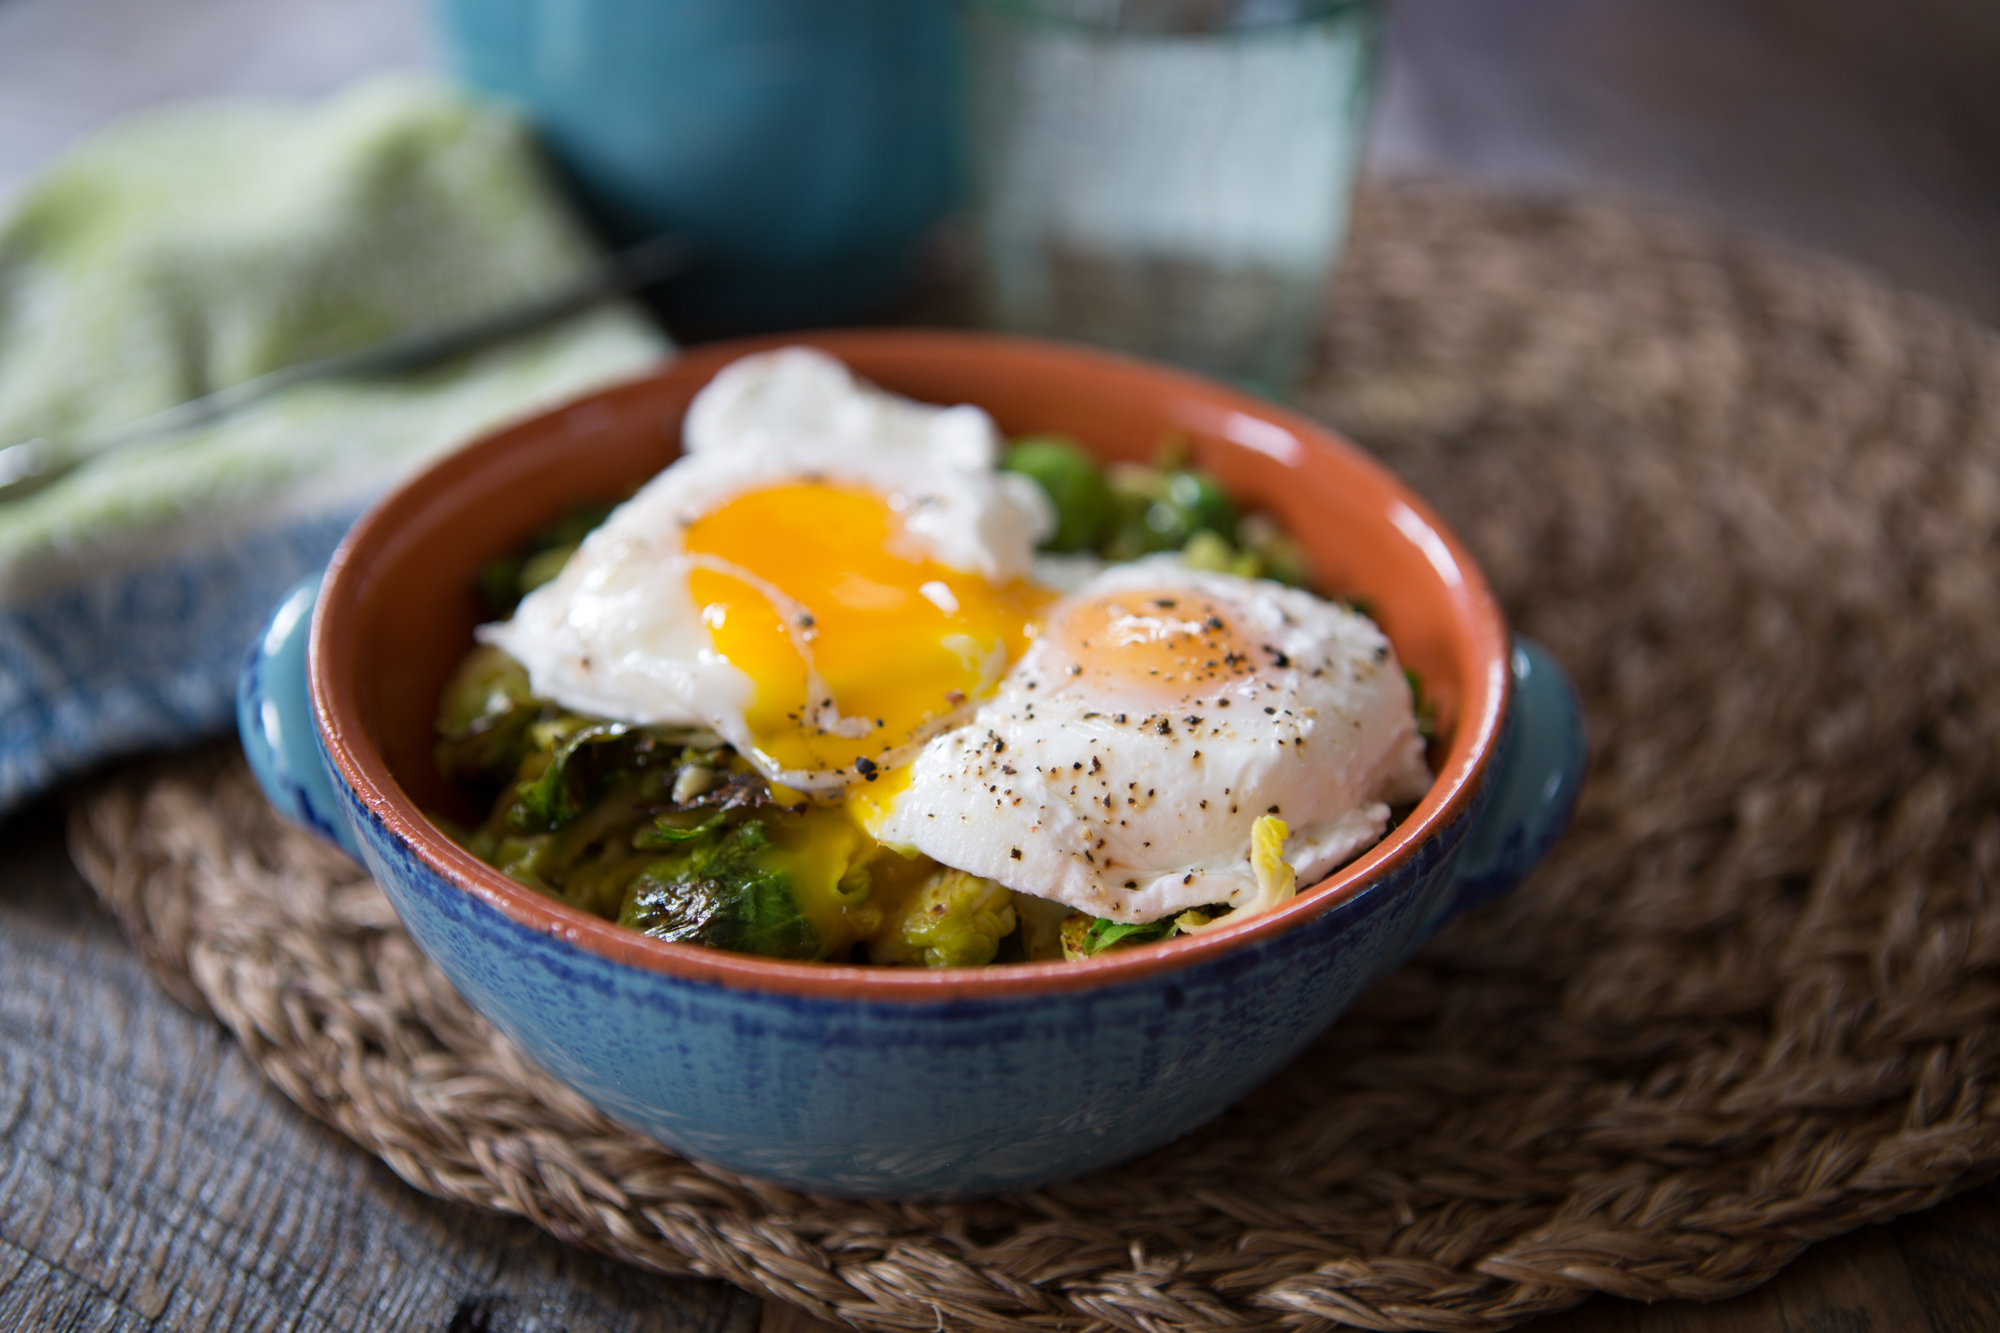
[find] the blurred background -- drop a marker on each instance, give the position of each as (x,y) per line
(1868,130)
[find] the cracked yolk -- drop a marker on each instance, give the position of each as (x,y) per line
(812,585)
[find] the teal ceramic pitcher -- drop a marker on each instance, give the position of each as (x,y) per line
(805,145)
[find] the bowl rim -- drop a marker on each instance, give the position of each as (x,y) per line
(1486,695)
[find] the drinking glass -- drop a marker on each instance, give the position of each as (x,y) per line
(1167,177)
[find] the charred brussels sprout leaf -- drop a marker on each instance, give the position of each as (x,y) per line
(665,832)
(483,719)
(554,797)
(716,893)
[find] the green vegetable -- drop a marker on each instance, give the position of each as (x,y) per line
(1071,480)
(593,815)
(1184,504)
(483,720)
(539,569)
(955,920)
(716,893)
(1426,715)
(487,685)
(1156,509)
(554,796)
(1201,503)
(1084,936)
(663,832)
(505,579)
(1135,491)
(1129,509)
(1103,934)
(498,585)
(1278,555)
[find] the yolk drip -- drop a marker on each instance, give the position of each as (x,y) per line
(870,804)
(1170,642)
(846,885)
(823,578)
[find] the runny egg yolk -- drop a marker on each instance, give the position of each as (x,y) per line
(1168,642)
(855,639)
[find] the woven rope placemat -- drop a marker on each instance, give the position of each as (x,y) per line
(1751,500)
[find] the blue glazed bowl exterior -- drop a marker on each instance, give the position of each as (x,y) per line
(961,1098)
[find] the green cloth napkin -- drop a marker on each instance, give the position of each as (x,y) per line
(196,247)
(201,246)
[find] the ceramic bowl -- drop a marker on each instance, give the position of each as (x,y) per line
(882,1081)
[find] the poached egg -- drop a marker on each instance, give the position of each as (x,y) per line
(1122,763)
(830,575)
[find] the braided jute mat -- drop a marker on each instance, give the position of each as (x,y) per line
(1751,500)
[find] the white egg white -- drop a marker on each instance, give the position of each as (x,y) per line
(1125,802)
(617,634)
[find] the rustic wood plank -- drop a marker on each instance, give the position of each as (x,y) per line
(782,1318)
(151,1179)
(1952,1255)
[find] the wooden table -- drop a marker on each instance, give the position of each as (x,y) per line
(150,1179)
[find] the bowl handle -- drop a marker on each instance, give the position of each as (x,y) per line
(1540,775)
(274,716)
